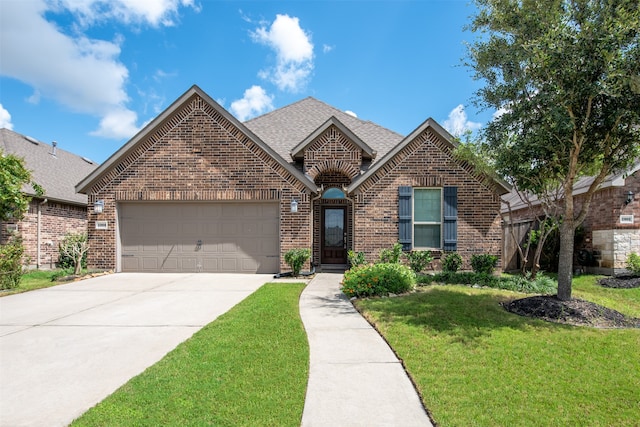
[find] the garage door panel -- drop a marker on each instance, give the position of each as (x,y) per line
(234,237)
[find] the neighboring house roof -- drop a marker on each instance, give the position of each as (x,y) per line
(285,128)
(57,171)
(580,187)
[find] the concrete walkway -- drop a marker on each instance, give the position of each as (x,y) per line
(355,379)
(65,348)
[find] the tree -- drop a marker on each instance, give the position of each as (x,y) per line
(14,202)
(564,79)
(74,246)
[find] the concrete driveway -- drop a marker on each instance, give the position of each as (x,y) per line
(64,349)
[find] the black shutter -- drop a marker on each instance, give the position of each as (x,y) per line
(450,226)
(404,216)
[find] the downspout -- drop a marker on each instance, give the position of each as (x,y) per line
(38,232)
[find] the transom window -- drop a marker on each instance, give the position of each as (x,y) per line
(333,193)
(427,218)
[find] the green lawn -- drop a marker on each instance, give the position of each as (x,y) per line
(32,280)
(247,368)
(476,364)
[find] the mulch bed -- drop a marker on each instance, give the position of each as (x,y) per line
(620,282)
(574,312)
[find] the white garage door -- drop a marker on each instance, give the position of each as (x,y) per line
(199,237)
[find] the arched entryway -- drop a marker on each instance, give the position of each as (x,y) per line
(332,222)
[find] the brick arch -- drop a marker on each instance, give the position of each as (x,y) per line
(328,166)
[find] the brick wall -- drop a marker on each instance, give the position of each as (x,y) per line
(56,220)
(426,162)
(197,155)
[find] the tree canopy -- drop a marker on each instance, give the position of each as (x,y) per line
(564,79)
(14,202)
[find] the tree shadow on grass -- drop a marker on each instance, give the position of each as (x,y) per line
(466,315)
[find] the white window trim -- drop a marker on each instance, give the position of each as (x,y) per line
(414,222)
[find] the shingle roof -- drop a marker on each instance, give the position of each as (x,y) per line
(285,128)
(57,174)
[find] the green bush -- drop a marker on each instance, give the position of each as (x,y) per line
(419,260)
(355,258)
(391,256)
(296,258)
(484,263)
(11,263)
(633,263)
(541,285)
(451,262)
(378,279)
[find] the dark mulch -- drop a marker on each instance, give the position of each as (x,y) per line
(620,282)
(574,312)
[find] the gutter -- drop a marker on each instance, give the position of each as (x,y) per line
(38,232)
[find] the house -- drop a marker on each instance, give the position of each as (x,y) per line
(609,233)
(197,190)
(60,210)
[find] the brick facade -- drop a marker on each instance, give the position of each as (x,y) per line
(197,152)
(44,226)
(427,162)
(196,155)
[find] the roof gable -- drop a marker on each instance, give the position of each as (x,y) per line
(288,127)
(56,170)
(298,151)
(448,144)
(122,158)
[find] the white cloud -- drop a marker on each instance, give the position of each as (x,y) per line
(256,101)
(499,112)
(117,123)
(326,48)
(294,53)
(152,12)
(457,123)
(66,67)
(5,118)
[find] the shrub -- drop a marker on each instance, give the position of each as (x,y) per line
(11,263)
(451,262)
(355,259)
(391,256)
(633,263)
(378,279)
(540,285)
(296,258)
(484,263)
(419,260)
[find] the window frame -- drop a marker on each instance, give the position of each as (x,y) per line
(414,222)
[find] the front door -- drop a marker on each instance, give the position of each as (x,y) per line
(334,235)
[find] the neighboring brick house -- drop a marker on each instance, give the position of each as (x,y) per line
(609,233)
(197,190)
(60,210)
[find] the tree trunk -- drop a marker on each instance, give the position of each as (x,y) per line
(565,259)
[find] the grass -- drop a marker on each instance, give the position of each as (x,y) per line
(247,368)
(476,364)
(32,280)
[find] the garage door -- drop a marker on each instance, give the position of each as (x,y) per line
(199,237)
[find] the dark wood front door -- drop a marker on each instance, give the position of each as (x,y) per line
(334,235)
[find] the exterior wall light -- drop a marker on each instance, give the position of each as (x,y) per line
(629,197)
(98,206)
(294,206)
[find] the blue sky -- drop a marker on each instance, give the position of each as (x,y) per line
(90,73)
